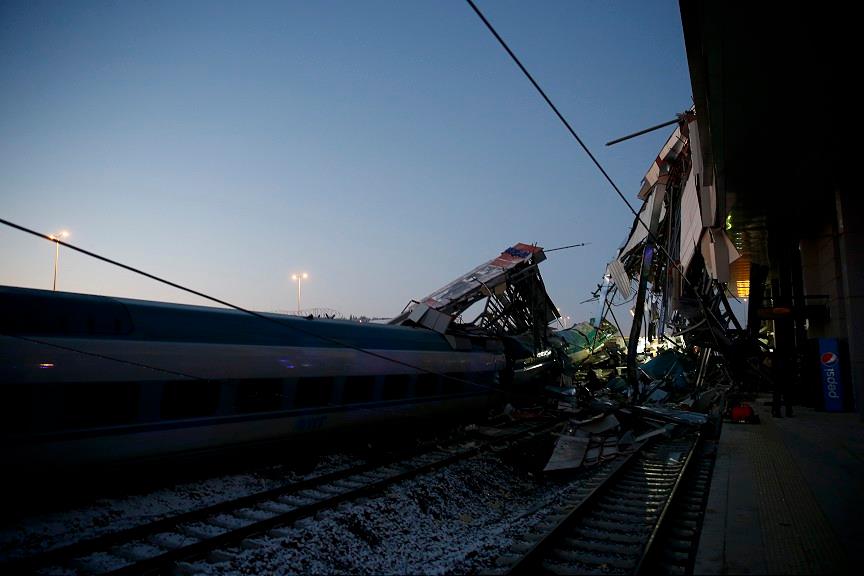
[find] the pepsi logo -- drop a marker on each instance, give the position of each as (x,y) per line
(828,358)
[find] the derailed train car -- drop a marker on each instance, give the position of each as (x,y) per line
(91,379)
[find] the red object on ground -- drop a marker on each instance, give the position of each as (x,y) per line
(742,413)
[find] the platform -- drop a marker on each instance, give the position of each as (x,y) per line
(787,496)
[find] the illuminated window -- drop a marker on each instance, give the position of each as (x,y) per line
(740,277)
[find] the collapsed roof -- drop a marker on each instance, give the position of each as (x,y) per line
(517,301)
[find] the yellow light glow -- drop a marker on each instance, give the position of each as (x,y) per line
(742,287)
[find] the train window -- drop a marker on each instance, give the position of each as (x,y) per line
(395,386)
(358,389)
(258,396)
(189,399)
(427,385)
(313,391)
(93,404)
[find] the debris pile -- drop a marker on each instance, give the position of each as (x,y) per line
(609,415)
(675,266)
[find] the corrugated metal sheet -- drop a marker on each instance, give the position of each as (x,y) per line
(718,252)
(640,232)
(619,277)
(691,220)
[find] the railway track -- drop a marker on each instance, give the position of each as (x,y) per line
(616,522)
(674,550)
(163,545)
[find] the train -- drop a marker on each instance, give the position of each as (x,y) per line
(89,380)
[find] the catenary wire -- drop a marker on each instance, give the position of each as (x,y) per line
(551,105)
(358,348)
(239,308)
(566,247)
(617,325)
(103,356)
(589,153)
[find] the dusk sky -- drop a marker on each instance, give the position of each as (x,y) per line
(383,147)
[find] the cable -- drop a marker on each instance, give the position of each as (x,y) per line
(239,308)
(103,356)
(551,105)
(356,408)
(614,290)
(585,148)
(621,332)
(351,346)
(625,301)
(566,247)
(641,132)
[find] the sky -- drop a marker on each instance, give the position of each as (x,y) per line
(383,147)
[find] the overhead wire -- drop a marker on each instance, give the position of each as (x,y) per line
(103,356)
(270,319)
(549,102)
(617,325)
(622,303)
(565,247)
(600,321)
(352,346)
(587,151)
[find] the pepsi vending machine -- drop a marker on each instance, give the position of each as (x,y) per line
(829,366)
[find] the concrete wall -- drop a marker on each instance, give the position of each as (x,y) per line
(820,261)
(851,248)
(832,259)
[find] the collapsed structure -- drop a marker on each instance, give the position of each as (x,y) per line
(676,265)
(517,309)
(685,348)
(516,299)
(678,253)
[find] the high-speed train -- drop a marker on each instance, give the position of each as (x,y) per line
(92,379)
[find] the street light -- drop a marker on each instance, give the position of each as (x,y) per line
(298,278)
(56,238)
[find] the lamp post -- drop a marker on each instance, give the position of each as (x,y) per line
(56,238)
(299,277)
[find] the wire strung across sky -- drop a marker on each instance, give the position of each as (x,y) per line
(551,105)
(358,348)
(104,357)
(229,305)
(602,170)
(567,247)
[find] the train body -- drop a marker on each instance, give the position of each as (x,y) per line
(92,379)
